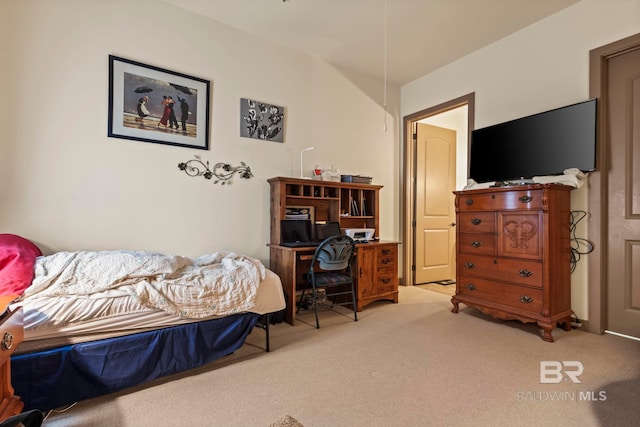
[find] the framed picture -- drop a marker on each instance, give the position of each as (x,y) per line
(152,104)
(261,121)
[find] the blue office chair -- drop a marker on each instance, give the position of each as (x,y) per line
(330,269)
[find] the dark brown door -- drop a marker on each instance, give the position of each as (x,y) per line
(623,229)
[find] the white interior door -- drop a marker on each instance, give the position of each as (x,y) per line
(434,203)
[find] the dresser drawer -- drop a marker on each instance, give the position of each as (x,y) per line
(477,244)
(501,200)
(506,269)
(11,334)
(476,222)
(515,296)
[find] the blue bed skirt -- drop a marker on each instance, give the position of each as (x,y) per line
(54,378)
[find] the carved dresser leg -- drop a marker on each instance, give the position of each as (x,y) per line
(455,303)
(546,333)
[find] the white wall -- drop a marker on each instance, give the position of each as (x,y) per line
(541,67)
(67,186)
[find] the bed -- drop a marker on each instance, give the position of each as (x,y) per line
(96,322)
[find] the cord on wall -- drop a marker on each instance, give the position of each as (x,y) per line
(578,243)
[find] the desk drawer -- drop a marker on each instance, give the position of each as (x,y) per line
(387,252)
(387,282)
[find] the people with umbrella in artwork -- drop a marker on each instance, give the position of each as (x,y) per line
(166,112)
(142,108)
(173,121)
(184,106)
(142,103)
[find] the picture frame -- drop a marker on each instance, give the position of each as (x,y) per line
(141,98)
(260,120)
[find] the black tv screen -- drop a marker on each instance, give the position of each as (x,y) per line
(541,144)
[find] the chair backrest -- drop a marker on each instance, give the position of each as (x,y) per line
(334,253)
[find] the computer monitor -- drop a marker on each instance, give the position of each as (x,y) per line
(327,230)
(295,230)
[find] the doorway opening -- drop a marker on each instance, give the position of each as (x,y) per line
(457,115)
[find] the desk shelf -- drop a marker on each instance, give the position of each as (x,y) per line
(311,197)
(306,189)
(352,205)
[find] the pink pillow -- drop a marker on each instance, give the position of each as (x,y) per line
(17,257)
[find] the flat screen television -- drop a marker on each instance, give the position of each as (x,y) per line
(538,145)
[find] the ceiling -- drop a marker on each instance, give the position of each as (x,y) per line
(421,35)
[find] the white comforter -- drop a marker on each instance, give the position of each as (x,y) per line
(217,284)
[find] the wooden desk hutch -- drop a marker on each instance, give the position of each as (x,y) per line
(352,205)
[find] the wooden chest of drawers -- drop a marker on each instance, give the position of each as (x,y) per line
(513,254)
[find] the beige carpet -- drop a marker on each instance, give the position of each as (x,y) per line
(409,364)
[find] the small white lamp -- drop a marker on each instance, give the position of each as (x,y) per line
(301,170)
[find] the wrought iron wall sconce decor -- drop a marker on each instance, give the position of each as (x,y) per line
(223,172)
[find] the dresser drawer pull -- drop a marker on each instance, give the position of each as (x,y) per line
(526,299)
(476,221)
(7,341)
(469,265)
(469,202)
(525,199)
(476,244)
(386,251)
(471,286)
(386,261)
(385,281)
(525,273)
